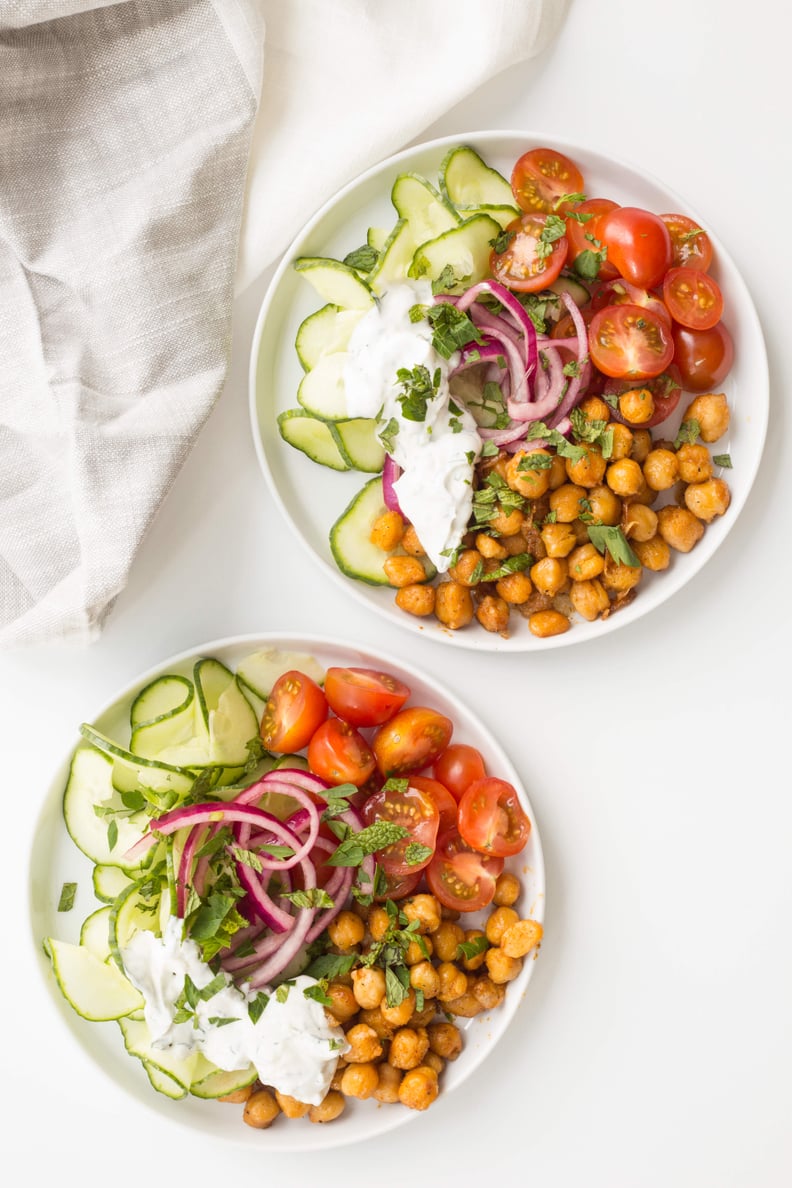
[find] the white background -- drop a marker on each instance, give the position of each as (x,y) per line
(654,1046)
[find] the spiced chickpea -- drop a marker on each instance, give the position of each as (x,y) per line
(567,502)
(359,1080)
(425,909)
(490,994)
(346,931)
(558,474)
(622,440)
(585,563)
(708,500)
(514,545)
(401,1013)
(546,623)
(639,522)
(468,568)
(711,412)
(644,494)
(419,1088)
(344,1005)
(559,539)
(453,605)
(588,470)
(238,1095)
(290,1106)
(549,575)
(335,1080)
(432,1060)
(641,445)
(447,940)
(445,1039)
(654,554)
(453,981)
(368,986)
(411,544)
(471,964)
(514,588)
(528,472)
(423,1017)
(418,600)
(389,1079)
(387,531)
(637,405)
(403,571)
(605,504)
(661,469)
(507,889)
(408,1047)
(620,578)
(498,921)
(492,613)
(679,528)
(507,523)
(590,599)
(378,923)
(520,938)
(424,977)
(489,547)
(365,1044)
(695,462)
(466,1006)
(624,477)
(594,408)
(330,1107)
(374,1019)
(502,968)
(418,950)
(261,1109)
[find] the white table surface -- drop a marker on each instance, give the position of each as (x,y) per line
(655,1044)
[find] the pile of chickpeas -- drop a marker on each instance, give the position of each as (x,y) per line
(397,1053)
(569,576)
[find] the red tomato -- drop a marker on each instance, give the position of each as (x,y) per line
(295,708)
(398,886)
(621,292)
(565,327)
(415,811)
(413,738)
(363,696)
(629,342)
(704,357)
(491,818)
(639,245)
(444,802)
(340,754)
(691,247)
(458,766)
(585,236)
(542,177)
(666,390)
(692,298)
(528,264)
(460,877)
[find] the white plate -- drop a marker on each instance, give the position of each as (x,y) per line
(55,860)
(311,497)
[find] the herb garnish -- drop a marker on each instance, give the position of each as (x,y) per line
(67,897)
(605,536)
(418,388)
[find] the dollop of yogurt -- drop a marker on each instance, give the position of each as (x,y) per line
(290,1042)
(437,454)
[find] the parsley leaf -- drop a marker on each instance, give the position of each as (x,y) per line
(452,328)
(502,241)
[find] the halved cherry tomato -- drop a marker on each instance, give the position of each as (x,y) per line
(691,247)
(666,390)
(622,292)
(541,177)
(584,236)
(459,765)
(398,886)
(364,696)
(629,342)
(340,754)
(459,876)
(491,818)
(693,298)
(415,811)
(704,357)
(412,739)
(565,326)
(445,803)
(638,243)
(528,263)
(295,707)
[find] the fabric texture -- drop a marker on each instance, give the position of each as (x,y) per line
(155,157)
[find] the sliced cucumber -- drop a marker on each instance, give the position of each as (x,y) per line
(314,438)
(428,213)
(161,698)
(350,538)
(105,839)
(109,882)
(137,1041)
(466,181)
(335,282)
(163,1082)
(503,215)
(97,990)
(465,250)
(211,680)
(395,258)
(325,332)
(210,1082)
(321,392)
(172,736)
(377,237)
(133,773)
(260,670)
(359,445)
(567,284)
(232,724)
(95,933)
(133,912)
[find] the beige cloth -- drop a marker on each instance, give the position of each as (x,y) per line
(138,189)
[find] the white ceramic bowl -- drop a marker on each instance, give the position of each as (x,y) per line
(55,860)
(311,497)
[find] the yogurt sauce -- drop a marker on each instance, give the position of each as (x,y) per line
(291,1044)
(437,455)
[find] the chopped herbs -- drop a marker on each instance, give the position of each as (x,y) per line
(554,229)
(722,460)
(502,241)
(314,897)
(418,388)
(416,854)
(357,846)
(689,433)
(452,328)
(362,259)
(515,564)
(604,536)
(67,897)
(472,948)
(388,434)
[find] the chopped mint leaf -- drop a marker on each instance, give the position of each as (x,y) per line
(315,897)
(362,259)
(472,948)
(502,241)
(67,897)
(256,1006)
(722,460)
(604,536)
(415,853)
(418,388)
(689,433)
(452,328)
(358,846)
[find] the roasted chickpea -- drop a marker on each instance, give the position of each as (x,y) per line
(605,504)
(489,547)
(424,977)
(344,1004)
(514,588)
(507,523)
(637,405)
(585,563)
(708,500)
(490,994)
(445,1039)
(400,1014)
(447,940)
(528,472)
(507,890)
(346,931)
(408,1047)
(641,445)
(453,981)
(622,440)
(497,923)
(387,531)
(368,986)
(359,1080)
(520,938)
(389,1079)
(549,574)
(587,471)
(590,599)
(639,522)
(378,923)
(594,408)
(419,1088)
(432,1060)
(374,1019)
(619,578)
(418,950)
(695,463)
(501,967)
(624,477)
(290,1106)
(468,569)
(661,469)
(261,1109)
(546,623)
(466,1006)
(425,909)
(365,1044)
(567,502)
(331,1107)
(404,571)
(418,600)
(711,413)
(473,963)
(654,554)
(559,539)
(238,1095)
(411,544)
(679,528)
(558,474)
(453,605)
(492,613)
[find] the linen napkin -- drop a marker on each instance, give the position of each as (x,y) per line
(148,170)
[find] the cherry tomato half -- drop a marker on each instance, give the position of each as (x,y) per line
(529,264)
(666,391)
(363,696)
(585,235)
(410,740)
(340,754)
(704,357)
(639,245)
(622,292)
(415,811)
(458,766)
(541,177)
(693,298)
(444,802)
(398,886)
(629,342)
(691,247)
(295,708)
(459,876)
(491,818)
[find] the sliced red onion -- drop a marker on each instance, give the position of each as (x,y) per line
(278,919)
(391,471)
(514,307)
(293,941)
